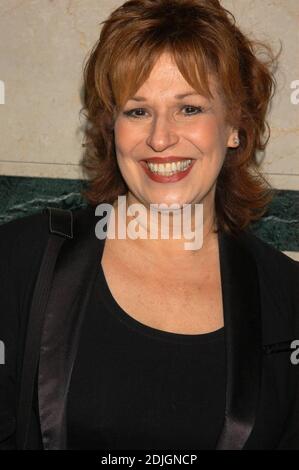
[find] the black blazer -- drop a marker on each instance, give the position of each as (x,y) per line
(261,317)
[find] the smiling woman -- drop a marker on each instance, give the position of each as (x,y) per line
(206,54)
(164,131)
(138,343)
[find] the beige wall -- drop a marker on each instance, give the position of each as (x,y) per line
(43,44)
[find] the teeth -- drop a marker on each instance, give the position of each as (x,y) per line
(169,169)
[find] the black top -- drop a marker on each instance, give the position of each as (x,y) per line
(269,292)
(137,387)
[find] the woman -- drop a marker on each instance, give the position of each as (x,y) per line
(141,342)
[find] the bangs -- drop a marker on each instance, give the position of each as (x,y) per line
(212,54)
(132,69)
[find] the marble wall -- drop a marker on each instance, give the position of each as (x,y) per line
(43,45)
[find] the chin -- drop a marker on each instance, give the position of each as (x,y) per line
(178,203)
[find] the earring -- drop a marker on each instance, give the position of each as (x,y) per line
(237,141)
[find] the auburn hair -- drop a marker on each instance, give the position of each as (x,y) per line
(202,38)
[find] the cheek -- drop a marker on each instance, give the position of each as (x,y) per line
(207,135)
(124,145)
(122,138)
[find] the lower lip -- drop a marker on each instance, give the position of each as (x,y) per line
(167,179)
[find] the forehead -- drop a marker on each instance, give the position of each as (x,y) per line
(166,80)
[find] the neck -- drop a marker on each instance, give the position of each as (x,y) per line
(171,252)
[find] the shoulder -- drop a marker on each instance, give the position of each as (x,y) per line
(32,231)
(270,258)
(28,230)
(23,241)
(278,275)
(21,244)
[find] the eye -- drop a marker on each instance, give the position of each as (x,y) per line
(139,112)
(131,112)
(194,110)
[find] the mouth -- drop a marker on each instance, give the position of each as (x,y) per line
(168,172)
(169,166)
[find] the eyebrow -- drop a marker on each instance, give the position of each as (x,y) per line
(178,97)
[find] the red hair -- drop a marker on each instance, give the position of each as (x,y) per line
(202,37)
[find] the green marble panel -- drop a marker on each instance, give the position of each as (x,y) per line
(21,196)
(280,224)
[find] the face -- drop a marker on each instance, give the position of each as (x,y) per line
(156,124)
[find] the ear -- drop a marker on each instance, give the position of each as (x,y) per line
(233,140)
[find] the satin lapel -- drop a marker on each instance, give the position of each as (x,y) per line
(243,339)
(75,272)
(73,280)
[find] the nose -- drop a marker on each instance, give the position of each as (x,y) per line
(162,134)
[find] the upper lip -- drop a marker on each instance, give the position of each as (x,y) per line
(165,159)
